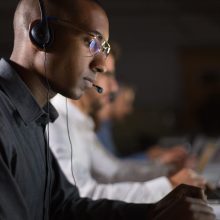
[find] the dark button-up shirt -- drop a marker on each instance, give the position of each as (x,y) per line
(31,184)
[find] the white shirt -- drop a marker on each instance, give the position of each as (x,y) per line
(99,174)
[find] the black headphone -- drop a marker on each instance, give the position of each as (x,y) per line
(41,34)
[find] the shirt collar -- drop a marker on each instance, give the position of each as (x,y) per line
(74,113)
(21,97)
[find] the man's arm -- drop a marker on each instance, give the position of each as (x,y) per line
(122,170)
(88,184)
(135,192)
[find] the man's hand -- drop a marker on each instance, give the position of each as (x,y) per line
(176,156)
(189,177)
(183,203)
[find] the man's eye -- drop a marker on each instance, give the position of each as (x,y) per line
(88,41)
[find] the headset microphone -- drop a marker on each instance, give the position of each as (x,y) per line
(98,89)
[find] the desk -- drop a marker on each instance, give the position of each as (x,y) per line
(216,208)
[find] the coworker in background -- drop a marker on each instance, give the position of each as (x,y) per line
(99,174)
(117,110)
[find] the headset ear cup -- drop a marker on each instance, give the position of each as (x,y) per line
(41,35)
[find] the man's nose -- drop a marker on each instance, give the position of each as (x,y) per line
(114,85)
(98,64)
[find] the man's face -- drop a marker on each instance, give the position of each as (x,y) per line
(71,67)
(123,104)
(109,84)
(107,81)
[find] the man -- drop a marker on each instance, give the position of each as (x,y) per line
(116,111)
(31,184)
(97,173)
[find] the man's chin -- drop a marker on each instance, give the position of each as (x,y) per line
(75,95)
(78,94)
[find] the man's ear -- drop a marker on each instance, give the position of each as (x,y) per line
(41,35)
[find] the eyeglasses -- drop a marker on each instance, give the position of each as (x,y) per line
(96,44)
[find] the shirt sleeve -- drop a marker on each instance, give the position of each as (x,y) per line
(121,170)
(136,192)
(90,185)
(100,175)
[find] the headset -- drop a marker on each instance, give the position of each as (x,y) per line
(41,34)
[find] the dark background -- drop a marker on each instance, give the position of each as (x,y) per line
(170,50)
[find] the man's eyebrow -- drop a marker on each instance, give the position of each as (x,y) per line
(98,34)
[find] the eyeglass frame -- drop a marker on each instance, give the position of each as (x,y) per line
(105,46)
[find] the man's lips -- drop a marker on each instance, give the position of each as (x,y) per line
(89,81)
